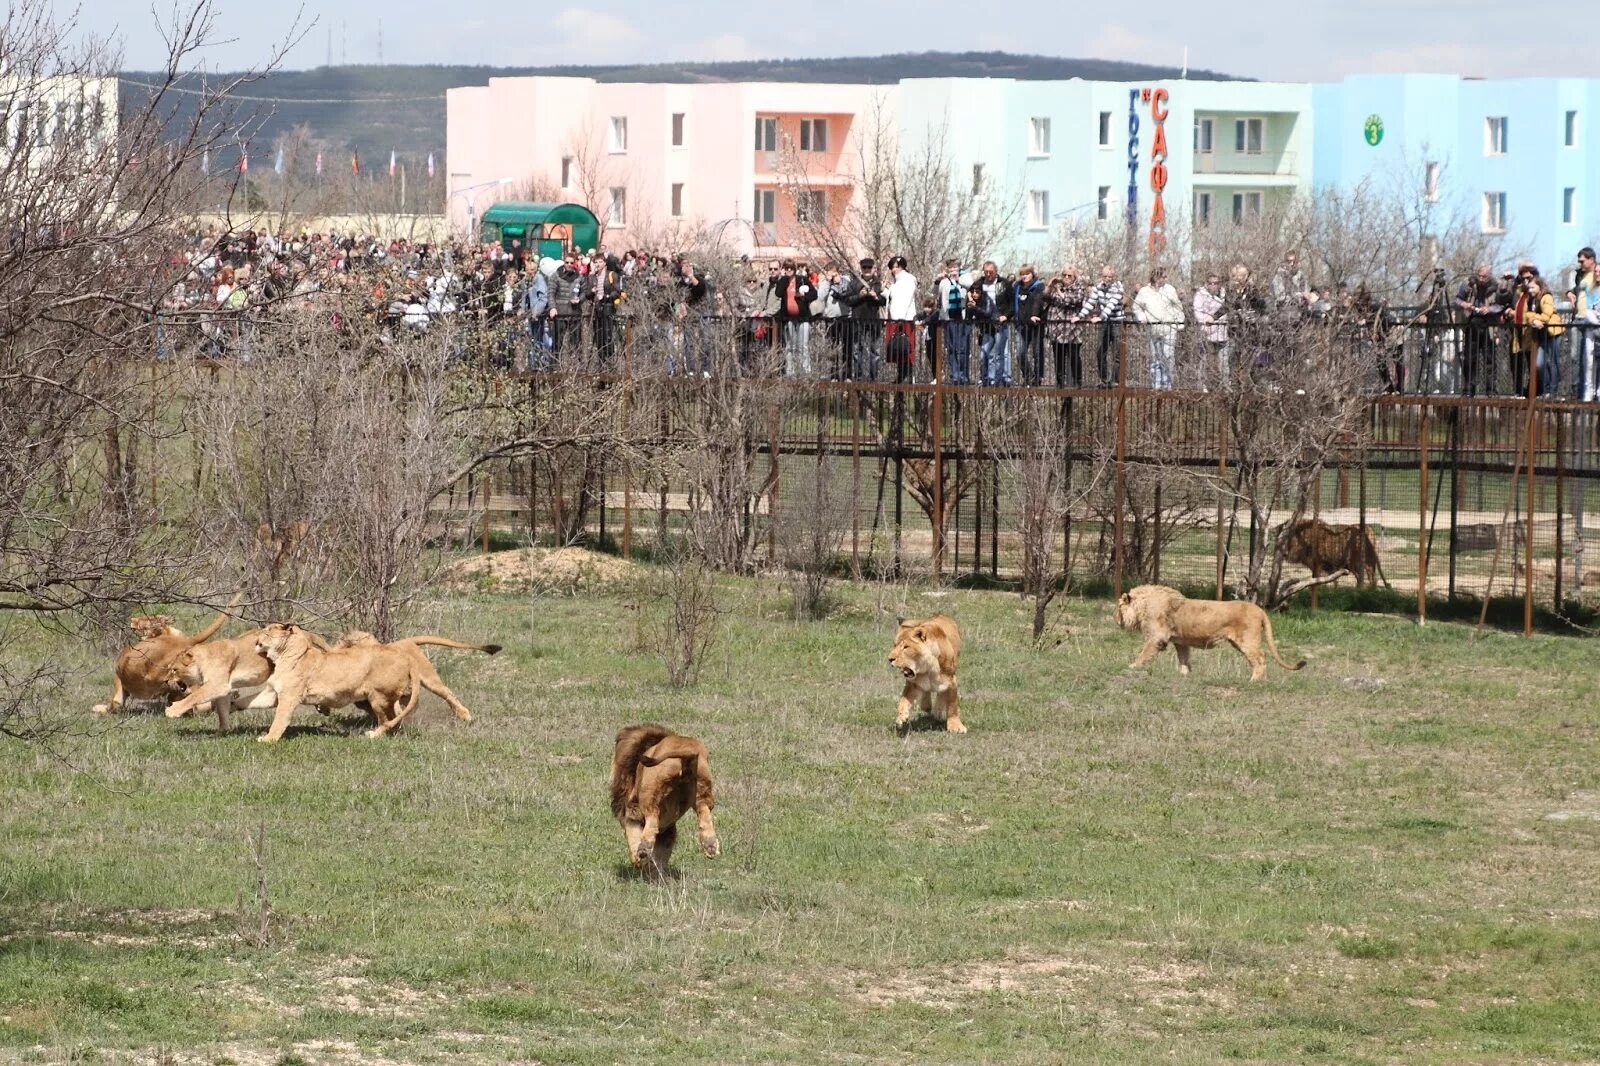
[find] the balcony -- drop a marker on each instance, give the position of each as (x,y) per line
(1235,163)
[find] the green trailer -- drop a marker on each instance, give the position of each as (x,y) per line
(544,229)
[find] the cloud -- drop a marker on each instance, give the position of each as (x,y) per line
(1119,42)
(725,48)
(597,36)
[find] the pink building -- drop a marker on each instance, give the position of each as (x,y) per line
(750,164)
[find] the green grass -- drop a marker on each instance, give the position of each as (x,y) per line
(1388,856)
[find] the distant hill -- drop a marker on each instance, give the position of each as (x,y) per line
(376,109)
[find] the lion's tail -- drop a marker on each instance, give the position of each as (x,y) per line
(631,744)
(446,642)
(216,623)
(1272,645)
(696,760)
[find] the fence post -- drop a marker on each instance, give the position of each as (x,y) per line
(936,432)
(855,485)
(1560,502)
(772,489)
(1222,487)
(1533,466)
(1117,554)
(1422,520)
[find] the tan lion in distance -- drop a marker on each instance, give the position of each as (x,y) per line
(1165,616)
(657,777)
(381,675)
(925,653)
(1323,548)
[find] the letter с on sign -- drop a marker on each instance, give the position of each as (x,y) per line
(1158,99)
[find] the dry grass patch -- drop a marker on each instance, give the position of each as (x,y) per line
(560,570)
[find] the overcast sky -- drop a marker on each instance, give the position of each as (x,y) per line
(1294,42)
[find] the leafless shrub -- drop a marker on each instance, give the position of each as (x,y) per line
(689,619)
(809,539)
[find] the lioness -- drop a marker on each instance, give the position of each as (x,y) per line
(141,667)
(925,652)
(1165,616)
(656,777)
(380,674)
(360,638)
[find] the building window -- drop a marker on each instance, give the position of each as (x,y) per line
(1105,129)
(813,135)
(1494,136)
(566,171)
(1570,140)
(1247,135)
(677,129)
(63,122)
(677,199)
(1038,209)
(1494,212)
(1038,136)
(619,133)
(41,125)
(1246,207)
(22,126)
(811,205)
(766,206)
(979,186)
(1202,209)
(1205,133)
(1430,182)
(1569,205)
(766,134)
(617,213)
(1102,203)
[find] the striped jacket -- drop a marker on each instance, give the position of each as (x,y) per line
(1105,302)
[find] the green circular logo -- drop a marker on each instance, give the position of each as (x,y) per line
(1373,130)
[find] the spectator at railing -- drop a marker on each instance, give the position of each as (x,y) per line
(1478,300)
(607,288)
(837,287)
(1063,329)
(953,301)
(694,312)
(1106,310)
(866,307)
(1027,313)
(900,334)
(1212,315)
(1291,293)
(1247,310)
(990,306)
(1158,307)
(1539,334)
(795,295)
(1584,296)
(566,304)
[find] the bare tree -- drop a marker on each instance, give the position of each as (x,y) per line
(908,200)
(88,204)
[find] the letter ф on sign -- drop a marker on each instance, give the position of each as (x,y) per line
(1158,169)
(1133,155)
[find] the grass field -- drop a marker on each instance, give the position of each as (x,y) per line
(1387,857)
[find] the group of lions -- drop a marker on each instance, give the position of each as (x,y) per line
(281,666)
(657,776)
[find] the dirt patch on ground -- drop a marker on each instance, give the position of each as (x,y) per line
(558,570)
(1168,983)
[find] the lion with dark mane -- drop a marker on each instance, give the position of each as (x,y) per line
(1324,548)
(658,776)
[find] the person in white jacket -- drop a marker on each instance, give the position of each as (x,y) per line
(1159,308)
(902,308)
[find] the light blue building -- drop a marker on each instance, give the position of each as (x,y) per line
(1512,161)
(1516,157)
(1083,154)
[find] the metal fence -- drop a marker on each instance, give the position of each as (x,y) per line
(1443,483)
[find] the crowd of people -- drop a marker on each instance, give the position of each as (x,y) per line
(969,325)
